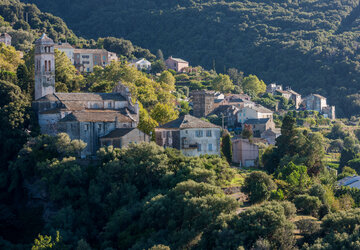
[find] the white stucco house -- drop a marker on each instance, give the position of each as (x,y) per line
(191,135)
(141,64)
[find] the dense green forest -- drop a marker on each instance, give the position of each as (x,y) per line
(311,45)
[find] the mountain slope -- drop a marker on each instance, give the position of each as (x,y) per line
(311,45)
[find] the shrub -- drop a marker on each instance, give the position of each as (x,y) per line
(307,204)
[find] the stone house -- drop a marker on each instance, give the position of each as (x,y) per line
(191,135)
(260,125)
(319,103)
(254,112)
(122,137)
(176,64)
(272,87)
(84,116)
(244,152)
(295,97)
(270,135)
(228,112)
(283,93)
(141,64)
(315,102)
(5,38)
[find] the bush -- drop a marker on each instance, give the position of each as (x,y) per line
(308,205)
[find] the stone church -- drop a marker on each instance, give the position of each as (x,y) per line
(85,116)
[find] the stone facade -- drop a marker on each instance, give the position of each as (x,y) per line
(44,67)
(244,152)
(203,102)
(319,103)
(84,116)
(6,39)
(193,136)
(123,137)
(258,126)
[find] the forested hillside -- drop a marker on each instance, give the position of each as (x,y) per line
(311,45)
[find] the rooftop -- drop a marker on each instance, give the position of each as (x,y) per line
(260,109)
(90,51)
(178,59)
(257,121)
(350,181)
(97,116)
(63,46)
(44,40)
(118,132)
(89,96)
(188,121)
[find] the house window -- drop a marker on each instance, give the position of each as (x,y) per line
(49,65)
(199,147)
(109,105)
(86,127)
(208,133)
(99,127)
(45,65)
(199,133)
(210,147)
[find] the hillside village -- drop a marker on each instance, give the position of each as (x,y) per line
(107,146)
(111,119)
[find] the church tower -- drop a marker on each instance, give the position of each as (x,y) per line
(44,67)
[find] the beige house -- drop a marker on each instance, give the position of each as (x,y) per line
(191,135)
(176,64)
(86,59)
(254,112)
(244,152)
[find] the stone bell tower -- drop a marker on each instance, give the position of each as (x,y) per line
(44,67)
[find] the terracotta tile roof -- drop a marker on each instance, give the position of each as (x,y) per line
(188,121)
(97,116)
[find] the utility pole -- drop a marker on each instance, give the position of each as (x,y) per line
(222,120)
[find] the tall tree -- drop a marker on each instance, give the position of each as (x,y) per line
(226,147)
(222,83)
(253,86)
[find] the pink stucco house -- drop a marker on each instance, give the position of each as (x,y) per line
(176,64)
(244,152)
